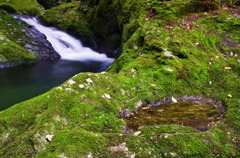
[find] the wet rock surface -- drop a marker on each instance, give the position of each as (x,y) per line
(196,112)
(37,44)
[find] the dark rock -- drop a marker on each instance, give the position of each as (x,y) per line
(150,14)
(7,7)
(38,44)
(51,3)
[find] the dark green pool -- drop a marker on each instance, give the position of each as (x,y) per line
(25,82)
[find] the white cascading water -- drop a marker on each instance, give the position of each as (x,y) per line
(68,47)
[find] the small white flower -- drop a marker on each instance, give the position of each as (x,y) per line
(107,96)
(81,85)
(69,89)
(133,70)
(196,44)
(173,154)
(71,82)
(210,82)
(89,80)
(59,88)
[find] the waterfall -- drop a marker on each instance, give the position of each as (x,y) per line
(68,47)
(25,82)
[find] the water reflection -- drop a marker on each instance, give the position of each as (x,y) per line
(25,82)
(184,113)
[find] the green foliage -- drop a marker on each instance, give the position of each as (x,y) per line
(30,7)
(151,2)
(67,17)
(86,6)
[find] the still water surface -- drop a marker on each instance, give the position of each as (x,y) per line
(25,82)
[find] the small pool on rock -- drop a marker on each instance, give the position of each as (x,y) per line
(186,113)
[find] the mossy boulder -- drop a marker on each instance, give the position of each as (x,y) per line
(82,114)
(196,6)
(30,7)
(7,7)
(18,46)
(176,48)
(11,50)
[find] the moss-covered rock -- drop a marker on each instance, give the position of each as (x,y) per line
(11,50)
(196,6)
(30,7)
(83,112)
(18,44)
(7,7)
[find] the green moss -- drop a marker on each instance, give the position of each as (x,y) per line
(67,17)
(11,40)
(30,7)
(7,7)
(11,51)
(196,6)
(83,116)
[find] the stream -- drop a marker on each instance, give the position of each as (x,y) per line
(24,82)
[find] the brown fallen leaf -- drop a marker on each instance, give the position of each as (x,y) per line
(153,85)
(228,68)
(137,133)
(144,108)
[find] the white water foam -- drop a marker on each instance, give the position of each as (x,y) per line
(67,46)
